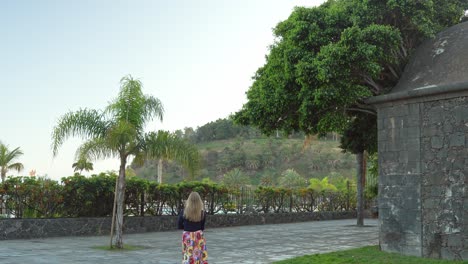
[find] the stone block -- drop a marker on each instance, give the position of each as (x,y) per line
(382,136)
(428,155)
(403,133)
(411,202)
(434,177)
(411,223)
(413,180)
(429,216)
(413,167)
(430,204)
(437,142)
(382,145)
(457,139)
(414,109)
(447,128)
(464,254)
(413,239)
(380,122)
(414,121)
(430,131)
(413,132)
(388,156)
(460,114)
(395,180)
(447,253)
(412,250)
(396,145)
(393,240)
(455,241)
(389,123)
(403,156)
(389,247)
(436,191)
(390,203)
(458,163)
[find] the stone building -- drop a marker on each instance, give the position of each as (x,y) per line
(423,152)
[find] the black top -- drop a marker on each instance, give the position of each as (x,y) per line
(190,226)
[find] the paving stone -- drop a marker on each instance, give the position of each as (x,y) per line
(247,244)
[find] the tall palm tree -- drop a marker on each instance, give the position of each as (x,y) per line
(118,132)
(170,147)
(83,164)
(7,160)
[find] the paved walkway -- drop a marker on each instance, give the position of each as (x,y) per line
(246,244)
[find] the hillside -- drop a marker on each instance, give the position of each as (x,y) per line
(262,160)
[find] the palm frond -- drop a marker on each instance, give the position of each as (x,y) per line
(83,164)
(164,145)
(14,154)
(132,106)
(123,136)
(7,156)
(153,108)
(85,123)
(16,166)
(129,104)
(94,149)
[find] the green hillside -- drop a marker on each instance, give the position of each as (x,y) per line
(262,160)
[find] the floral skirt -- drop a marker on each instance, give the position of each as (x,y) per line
(194,248)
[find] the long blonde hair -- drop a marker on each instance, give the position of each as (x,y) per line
(193,207)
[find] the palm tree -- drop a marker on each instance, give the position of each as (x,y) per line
(82,164)
(7,160)
(291,179)
(118,132)
(170,147)
(235,179)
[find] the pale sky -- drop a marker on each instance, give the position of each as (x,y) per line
(197,57)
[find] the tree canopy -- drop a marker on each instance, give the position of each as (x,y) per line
(326,60)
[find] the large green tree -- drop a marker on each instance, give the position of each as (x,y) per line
(327,60)
(8,160)
(118,132)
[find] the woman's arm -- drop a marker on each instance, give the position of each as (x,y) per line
(203,221)
(180,221)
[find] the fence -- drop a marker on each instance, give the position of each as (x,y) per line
(78,196)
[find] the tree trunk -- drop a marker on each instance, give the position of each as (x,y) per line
(120,193)
(360,189)
(364,170)
(113,212)
(160,168)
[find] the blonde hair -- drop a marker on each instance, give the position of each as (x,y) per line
(193,207)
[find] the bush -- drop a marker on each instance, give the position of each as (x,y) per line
(79,196)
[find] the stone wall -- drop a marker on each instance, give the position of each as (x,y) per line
(444,146)
(399,184)
(423,167)
(41,228)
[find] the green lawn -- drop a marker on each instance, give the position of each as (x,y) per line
(368,255)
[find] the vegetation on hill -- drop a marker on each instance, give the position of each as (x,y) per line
(226,147)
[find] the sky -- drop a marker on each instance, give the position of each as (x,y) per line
(197,57)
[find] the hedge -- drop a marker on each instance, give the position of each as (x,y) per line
(80,196)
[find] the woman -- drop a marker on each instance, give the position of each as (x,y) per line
(192,221)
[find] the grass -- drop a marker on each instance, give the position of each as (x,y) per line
(126,248)
(368,255)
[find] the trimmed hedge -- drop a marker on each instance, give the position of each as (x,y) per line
(80,196)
